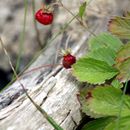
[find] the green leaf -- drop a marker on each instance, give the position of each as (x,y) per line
(93,71)
(98,124)
(104,101)
(104,54)
(124,124)
(123,53)
(124,70)
(82,9)
(120,26)
(105,40)
(123,63)
(115,83)
(83,98)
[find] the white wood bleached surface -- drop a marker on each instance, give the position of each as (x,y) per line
(55,89)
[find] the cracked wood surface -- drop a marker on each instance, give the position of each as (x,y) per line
(55,96)
(54,89)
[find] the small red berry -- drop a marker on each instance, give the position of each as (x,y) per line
(44,18)
(68,60)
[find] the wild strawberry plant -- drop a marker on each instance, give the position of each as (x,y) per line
(107,67)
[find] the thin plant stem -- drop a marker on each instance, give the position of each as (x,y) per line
(22,36)
(80,21)
(35,25)
(41,110)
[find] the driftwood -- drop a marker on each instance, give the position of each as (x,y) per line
(54,88)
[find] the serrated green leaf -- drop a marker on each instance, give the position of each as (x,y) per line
(120,26)
(98,124)
(82,99)
(124,124)
(105,40)
(123,53)
(89,112)
(106,102)
(84,103)
(82,9)
(124,70)
(93,71)
(103,54)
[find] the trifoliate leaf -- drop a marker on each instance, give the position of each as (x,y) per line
(104,101)
(105,40)
(103,54)
(123,53)
(98,124)
(82,9)
(120,26)
(122,124)
(124,70)
(93,71)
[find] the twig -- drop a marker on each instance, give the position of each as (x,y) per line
(40,67)
(35,25)
(80,21)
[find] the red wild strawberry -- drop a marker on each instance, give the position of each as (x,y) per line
(68,60)
(44,18)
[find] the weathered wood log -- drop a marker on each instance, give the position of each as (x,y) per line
(54,89)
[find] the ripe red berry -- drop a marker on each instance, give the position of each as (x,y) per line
(68,60)
(44,18)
